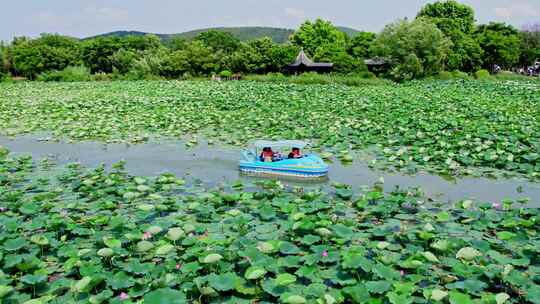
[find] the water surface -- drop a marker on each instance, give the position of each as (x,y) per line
(214,164)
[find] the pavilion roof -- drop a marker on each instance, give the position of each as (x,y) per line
(303,59)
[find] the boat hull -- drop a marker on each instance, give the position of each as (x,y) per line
(307,167)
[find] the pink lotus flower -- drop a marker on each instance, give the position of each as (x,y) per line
(123,296)
(402,272)
(146,236)
(178,266)
(496,206)
(325,253)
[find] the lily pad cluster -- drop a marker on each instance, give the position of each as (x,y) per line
(447,127)
(102,236)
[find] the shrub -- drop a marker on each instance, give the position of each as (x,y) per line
(103,77)
(69,74)
(5,78)
(146,68)
(444,75)
(225,74)
(460,75)
(482,74)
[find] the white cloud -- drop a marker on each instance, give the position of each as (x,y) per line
(108,14)
(517,10)
(295,13)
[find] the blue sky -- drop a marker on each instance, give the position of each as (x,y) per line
(82,18)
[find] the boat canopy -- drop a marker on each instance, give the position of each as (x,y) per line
(280,144)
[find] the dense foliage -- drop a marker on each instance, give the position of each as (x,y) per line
(501,45)
(530,45)
(456,21)
(446,127)
(97,236)
(49,52)
(203,53)
(418,48)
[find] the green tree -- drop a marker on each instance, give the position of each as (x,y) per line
(219,41)
(456,21)
(449,16)
(530,45)
(46,53)
(465,54)
(416,49)
(122,60)
(177,43)
(501,44)
(175,64)
(319,37)
(97,54)
(359,46)
(269,56)
(141,43)
(4,61)
(244,60)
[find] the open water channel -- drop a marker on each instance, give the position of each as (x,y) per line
(212,165)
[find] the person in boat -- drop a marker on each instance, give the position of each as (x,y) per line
(267,155)
(295,153)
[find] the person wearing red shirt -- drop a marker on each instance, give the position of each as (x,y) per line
(295,153)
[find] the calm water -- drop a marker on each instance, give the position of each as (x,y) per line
(213,164)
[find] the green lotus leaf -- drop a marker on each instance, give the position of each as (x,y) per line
(174,234)
(265,247)
(102,297)
(154,229)
(143,188)
(31,279)
(105,252)
(324,232)
(112,243)
(139,180)
(438,295)
(505,235)
(223,282)
(254,273)
(130,196)
(83,285)
(5,290)
(15,244)
(146,207)
(430,257)
(211,258)
(165,249)
(378,287)
(165,296)
(285,279)
(502,298)
(39,239)
(468,253)
(144,246)
(457,297)
(295,299)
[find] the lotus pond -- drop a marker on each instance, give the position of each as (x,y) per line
(81,235)
(213,164)
(445,127)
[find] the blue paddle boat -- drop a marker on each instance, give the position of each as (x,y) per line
(264,158)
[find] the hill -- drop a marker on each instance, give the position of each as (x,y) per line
(243,33)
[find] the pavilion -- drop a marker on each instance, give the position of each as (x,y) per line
(304,64)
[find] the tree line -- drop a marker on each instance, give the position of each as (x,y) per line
(442,37)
